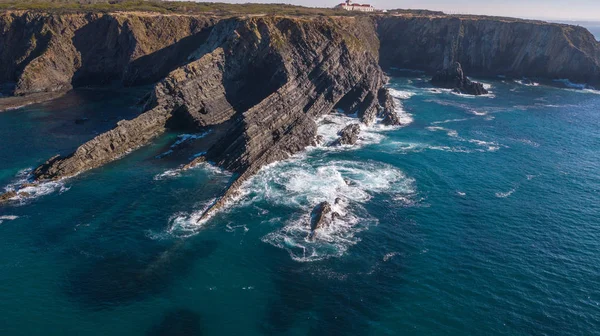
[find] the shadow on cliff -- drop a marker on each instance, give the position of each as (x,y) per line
(109,58)
(26,44)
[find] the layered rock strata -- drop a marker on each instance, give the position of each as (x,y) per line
(264,80)
(349,135)
(269,79)
(489,46)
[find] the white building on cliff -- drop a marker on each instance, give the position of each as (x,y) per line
(349,6)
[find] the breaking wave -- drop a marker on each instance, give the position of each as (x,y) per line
(7,218)
(26,190)
(506,194)
(299,185)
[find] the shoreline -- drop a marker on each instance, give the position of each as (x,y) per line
(16,102)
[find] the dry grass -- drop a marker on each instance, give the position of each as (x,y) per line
(165,7)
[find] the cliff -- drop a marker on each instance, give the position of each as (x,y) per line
(53,53)
(264,80)
(268,79)
(487,46)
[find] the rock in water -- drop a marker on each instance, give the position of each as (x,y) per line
(319,217)
(349,135)
(195,162)
(7,196)
(454,78)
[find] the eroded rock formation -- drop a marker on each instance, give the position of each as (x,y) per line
(264,80)
(454,78)
(320,216)
(349,135)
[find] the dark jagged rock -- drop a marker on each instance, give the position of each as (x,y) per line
(454,78)
(349,135)
(388,108)
(319,217)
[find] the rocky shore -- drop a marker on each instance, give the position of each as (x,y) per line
(265,80)
(454,78)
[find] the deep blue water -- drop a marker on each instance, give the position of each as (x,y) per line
(480,217)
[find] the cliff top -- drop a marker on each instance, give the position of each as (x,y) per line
(163,7)
(153,7)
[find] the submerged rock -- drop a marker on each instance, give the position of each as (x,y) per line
(195,162)
(178,322)
(81,121)
(349,135)
(454,78)
(7,196)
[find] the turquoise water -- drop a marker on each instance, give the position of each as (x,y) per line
(480,217)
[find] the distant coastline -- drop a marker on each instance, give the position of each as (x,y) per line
(592,26)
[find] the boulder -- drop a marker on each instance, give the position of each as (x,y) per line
(7,196)
(319,217)
(348,135)
(454,78)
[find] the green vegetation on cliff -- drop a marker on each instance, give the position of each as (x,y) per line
(165,7)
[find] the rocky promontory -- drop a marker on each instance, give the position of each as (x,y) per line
(264,80)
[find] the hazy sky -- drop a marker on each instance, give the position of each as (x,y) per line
(548,9)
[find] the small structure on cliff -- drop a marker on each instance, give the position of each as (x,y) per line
(349,6)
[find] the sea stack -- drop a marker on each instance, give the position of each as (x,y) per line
(454,78)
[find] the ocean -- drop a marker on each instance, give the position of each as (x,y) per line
(480,216)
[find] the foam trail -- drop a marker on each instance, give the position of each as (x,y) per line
(299,185)
(7,218)
(506,194)
(26,190)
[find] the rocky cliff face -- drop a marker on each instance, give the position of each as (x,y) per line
(490,46)
(263,80)
(267,79)
(49,53)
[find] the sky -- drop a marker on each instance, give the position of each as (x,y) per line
(535,9)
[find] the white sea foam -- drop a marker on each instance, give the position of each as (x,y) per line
(478,113)
(24,177)
(401,94)
(187,137)
(572,85)
(486,86)
(183,224)
(449,121)
(7,218)
(491,146)
(505,194)
(398,96)
(330,125)
(460,193)
(300,185)
(450,132)
(526,82)
(176,172)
